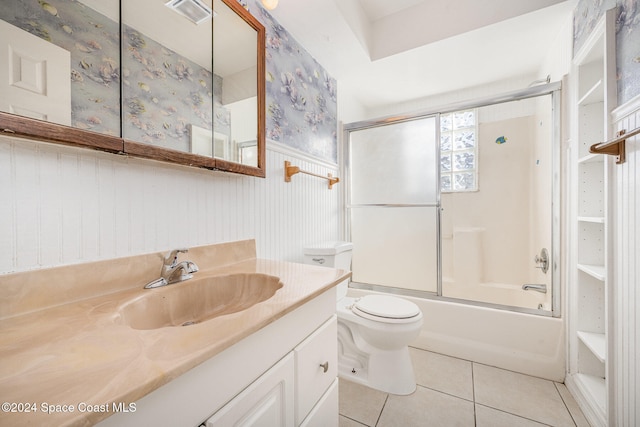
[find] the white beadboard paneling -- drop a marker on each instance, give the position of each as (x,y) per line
(64,205)
(122,188)
(27,205)
(627,273)
(71,221)
(106,180)
(139,186)
(7,207)
(90,213)
(50,207)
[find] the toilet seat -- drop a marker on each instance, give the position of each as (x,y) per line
(385,308)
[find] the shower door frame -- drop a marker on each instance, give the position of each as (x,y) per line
(554,90)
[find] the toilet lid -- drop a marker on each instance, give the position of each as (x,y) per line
(385,306)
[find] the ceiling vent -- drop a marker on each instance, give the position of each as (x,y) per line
(194,10)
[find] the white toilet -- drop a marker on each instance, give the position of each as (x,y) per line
(373,331)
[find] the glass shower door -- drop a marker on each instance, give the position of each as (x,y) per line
(394,205)
(462,202)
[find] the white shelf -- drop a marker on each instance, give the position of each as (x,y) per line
(591,158)
(593,95)
(590,307)
(596,271)
(593,219)
(595,342)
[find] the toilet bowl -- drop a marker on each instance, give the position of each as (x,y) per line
(373,331)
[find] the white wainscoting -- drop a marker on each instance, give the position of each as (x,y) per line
(627,273)
(62,205)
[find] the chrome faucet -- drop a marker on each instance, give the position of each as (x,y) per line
(173,271)
(538,288)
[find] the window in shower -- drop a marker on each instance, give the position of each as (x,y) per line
(458,151)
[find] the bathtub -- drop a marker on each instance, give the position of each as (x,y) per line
(498,293)
(519,342)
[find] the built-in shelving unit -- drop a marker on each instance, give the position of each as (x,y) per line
(593,87)
(596,343)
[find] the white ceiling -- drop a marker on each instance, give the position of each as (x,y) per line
(376,9)
(390,51)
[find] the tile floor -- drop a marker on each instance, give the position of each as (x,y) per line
(455,392)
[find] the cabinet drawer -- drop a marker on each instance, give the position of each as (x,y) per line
(325,413)
(316,367)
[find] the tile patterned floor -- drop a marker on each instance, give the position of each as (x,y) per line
(455,392)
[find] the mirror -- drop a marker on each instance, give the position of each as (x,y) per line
(166,75)
(235,90)
(190,93)
(192,87)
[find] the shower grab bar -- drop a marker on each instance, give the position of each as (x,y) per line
(289,171)
(538,288)
(615,147)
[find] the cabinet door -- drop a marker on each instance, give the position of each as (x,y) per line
(268,401)
(325,413)
(316,367)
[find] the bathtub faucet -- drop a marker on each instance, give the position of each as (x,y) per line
(538,288)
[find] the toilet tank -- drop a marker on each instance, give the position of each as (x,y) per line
(334,254)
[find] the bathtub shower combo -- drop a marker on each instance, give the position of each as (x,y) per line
(457,209)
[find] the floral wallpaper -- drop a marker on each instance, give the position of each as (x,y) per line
(93,41)
(587,15)
(163,93)
(301,96)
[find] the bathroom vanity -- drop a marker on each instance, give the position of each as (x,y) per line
(274,377)
(273,363)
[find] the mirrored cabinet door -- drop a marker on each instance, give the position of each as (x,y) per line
(60,62)
(167,83)
(235,87)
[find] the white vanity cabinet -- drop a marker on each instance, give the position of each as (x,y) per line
(325,413)
(268,401)
(316,371)
(274,377)
(286,395)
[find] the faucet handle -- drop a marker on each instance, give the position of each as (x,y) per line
(171,259)
(192,267)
